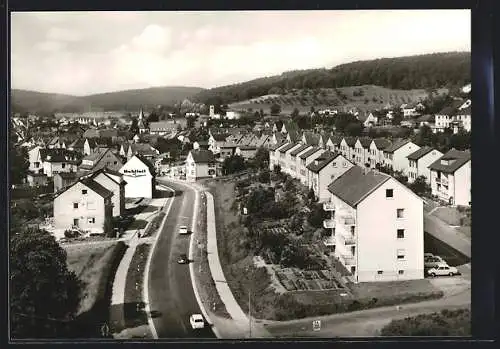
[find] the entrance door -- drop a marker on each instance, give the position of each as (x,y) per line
(76,222)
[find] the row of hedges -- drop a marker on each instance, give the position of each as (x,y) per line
(89,323)
(288,308)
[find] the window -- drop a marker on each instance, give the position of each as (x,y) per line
(334,164)
(75,204)
(389,193)
(91,220)
(401,272)
(401,233)
(400,212)
(115,162)
(63,165)
(401,254)
(380,272)
(84,191)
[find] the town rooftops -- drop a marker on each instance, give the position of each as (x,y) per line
(247,147)
(365,141)
(336,139)
(299,149)
(277,146)
(97,154)
(220,137)
(163,126)
(320,162)
(396,145)
(350,141)
(451,161)
(310,152)
(354,185)
(420,153)
(91,184)
(202,156)
(426,118)
(143,149)
(287,147)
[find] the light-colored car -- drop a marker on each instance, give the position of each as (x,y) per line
(442,270)
(428,255)
(183,230)
(433,262)
(197,321)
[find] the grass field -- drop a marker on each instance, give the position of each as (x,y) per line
(366,97)
(89,263)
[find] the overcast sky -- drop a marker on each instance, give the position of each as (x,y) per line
(83,53)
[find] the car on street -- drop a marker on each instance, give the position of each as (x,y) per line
(428,255)
(432,262)
(443,269)
(183,259)
(183,230)
(197,321)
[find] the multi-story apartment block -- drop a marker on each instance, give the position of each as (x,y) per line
(376,151)
(347,148)
(274,155)
(378,222)
(362,151)
(305,159)
(200,163)
(295,159)
(419,162)
(290,160)
(451,178)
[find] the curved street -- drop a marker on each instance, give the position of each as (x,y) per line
(171,295)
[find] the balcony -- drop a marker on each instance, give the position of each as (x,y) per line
(351,240)
(348,259)
(442,180)
(329,223)
(329,241)
(328,206)
(347,220)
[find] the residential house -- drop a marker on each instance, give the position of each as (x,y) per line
(284,156)
(376,151)
(35,179)
(59,160)
(63,180)
(139,175)
(274,155)
(35,159)
(379,232)
(455,116)
(113,181)
(347,148)
(427,120)
(85,205)
(419,162)
(200,164)
(99,158)
(451,178)
(162,128)
(362,151)
(57,143)
(333,143)
(371,120)
(215,141)
(142,149)
(233,115)
(409,110)
(305,158)
(325,169)
(294,163)
(395,155)
(200,145)
(246,151)
(227,150)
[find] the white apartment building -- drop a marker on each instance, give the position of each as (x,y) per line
(376,151)
(295,159)
(379,232)
(305,159)
(283,161)
(451,178)
(274,156)
(395,155)
(362,151)
(419,162)
(290,161)
(347,148)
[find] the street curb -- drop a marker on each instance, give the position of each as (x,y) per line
(191,266)
(145,290)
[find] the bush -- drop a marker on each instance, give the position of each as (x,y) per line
(264,176)
(317,215)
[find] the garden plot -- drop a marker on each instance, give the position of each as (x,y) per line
(297,280)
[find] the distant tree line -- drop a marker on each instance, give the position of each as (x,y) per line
(423,72)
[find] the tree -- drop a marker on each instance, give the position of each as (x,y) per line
(317,215)
(44,294)
(461,140)
(134,128)
(354,129)
(277,170)
(233,164)
(190,123)
(420,186)
(153,117)
(275,91)
(264,176)
(19,163)
(424,136)
(295,113)
(261,158)
(342,120)
(275,109)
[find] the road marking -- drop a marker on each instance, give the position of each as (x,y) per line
(148,266)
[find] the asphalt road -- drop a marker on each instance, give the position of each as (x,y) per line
(171,294)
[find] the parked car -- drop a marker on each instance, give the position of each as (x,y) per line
(183,230)
(443,269)
(197,321)
(433,262)
(428,255)
(183,259)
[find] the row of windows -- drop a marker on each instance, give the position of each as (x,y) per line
(400,272)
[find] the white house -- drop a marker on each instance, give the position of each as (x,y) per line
(395,155)
(139,174)
(289,161)
(370,121)
(85,205)
(379,227)
(112,181)
(419,162)
(294,162)
(274,155)
(362,151)
(347,148)
(451,178)
(376,151)
(324,170)
(305,159)
(200,164)
(233,115)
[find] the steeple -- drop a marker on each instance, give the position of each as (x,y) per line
(141,115)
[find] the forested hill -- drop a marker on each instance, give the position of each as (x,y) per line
(436,70)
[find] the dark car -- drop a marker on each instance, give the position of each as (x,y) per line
(122,222)
(183,259)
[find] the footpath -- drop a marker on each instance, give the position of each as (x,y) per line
(117,311)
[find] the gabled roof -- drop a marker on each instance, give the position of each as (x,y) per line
(145,162)
(310,152)
(321,161)
(336,139)
(299,149)
(365,141)
(351,141)
(354,185)
(460,158)
(276,146)
(143,149)
(78,143)
(92,185)
(420,153)
(427,117)
(382,143)
(396,145)
(202,156)
(97,154)
(287,147)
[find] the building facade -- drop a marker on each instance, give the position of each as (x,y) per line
(139,176)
